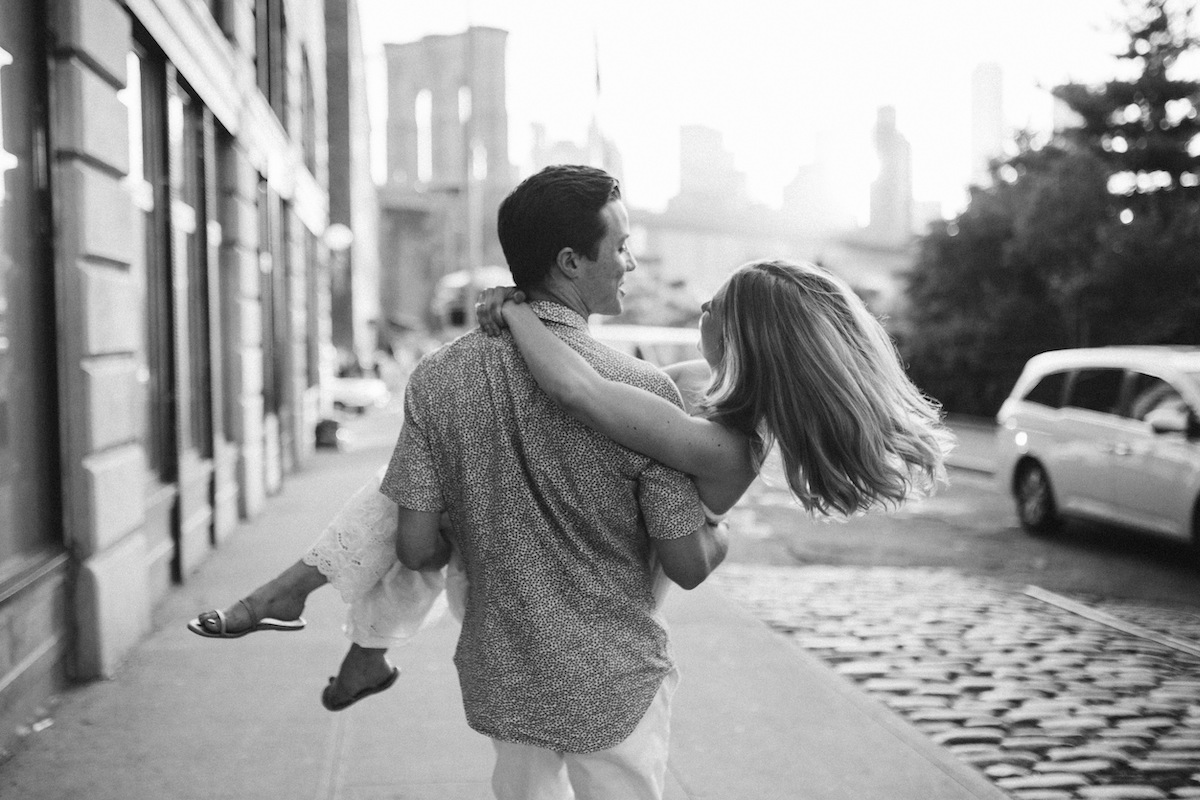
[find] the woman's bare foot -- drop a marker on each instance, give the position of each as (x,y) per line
(281,598)
(365,671)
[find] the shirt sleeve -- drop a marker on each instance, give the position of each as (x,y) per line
(411,480)
(669,501)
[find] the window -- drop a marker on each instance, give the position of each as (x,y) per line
(273,236)
(1149,393)
(1049,390)
(147,101)
(224,160)
(1096,390)
(312,300)
(189,224)
(423,109)
(29,500)
(270,58)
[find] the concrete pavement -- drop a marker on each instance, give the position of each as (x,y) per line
(189,717)
(976,448)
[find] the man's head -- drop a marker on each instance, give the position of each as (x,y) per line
(564,233)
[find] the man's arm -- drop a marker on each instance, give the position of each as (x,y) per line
(419,541)
(688,560)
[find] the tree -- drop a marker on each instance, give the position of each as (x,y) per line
(1090,238)
(991,287)
(1145,129)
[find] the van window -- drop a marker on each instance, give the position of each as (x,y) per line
(1049,390)
(1150,393)
(1096,390)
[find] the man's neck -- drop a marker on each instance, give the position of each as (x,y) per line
(553,294)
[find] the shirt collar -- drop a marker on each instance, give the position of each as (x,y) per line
(554,312)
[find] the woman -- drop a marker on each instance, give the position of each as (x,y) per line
(791,357)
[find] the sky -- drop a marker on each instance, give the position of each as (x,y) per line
(775,77)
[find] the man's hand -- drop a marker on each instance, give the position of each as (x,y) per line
(489,309)
(690,559)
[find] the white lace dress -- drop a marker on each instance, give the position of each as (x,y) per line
(388,602)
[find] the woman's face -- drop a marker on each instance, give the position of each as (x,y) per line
(712,341)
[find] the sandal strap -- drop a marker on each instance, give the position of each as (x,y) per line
(220,621)
(253,617)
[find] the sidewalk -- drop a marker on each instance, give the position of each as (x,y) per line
(976,448)
(192,718)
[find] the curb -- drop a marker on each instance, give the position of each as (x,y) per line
(980,466)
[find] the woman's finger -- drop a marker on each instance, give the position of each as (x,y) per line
(488,309)
(486,322)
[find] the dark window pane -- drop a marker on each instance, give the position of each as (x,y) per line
(1096,390)
(158,360)
(270,54)
(1049,390)
(190,260)
(28,403)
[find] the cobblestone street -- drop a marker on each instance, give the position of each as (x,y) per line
(1050,705)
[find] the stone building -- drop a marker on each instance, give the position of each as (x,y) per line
(447,164)
(163,305)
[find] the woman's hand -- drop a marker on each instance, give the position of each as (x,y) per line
(491,303)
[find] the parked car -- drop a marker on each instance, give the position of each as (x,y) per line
(1110,434)
(360,394)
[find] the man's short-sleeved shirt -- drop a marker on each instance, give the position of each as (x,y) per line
(560,646)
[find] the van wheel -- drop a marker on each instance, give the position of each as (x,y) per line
(1035,500)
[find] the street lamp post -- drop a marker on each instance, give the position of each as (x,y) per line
(339,238)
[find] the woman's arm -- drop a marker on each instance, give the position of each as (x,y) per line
(717,458)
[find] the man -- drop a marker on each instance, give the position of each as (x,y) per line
(563,660)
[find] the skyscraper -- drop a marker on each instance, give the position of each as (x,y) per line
(891,221)
(987,119)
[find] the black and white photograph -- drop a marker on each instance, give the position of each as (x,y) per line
(548,400)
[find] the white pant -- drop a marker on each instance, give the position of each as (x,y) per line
(635,769)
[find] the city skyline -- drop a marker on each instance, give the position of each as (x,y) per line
(774,79)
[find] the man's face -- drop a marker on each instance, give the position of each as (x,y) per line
(601,281)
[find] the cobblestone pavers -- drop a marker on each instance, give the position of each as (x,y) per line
(1049,705)
(1177,622)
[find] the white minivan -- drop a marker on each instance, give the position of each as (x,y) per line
(1108,433)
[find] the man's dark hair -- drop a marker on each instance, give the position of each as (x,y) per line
(552,209)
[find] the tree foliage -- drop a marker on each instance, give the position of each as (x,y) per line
(1090,238)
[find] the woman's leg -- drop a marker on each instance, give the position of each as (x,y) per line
(280,598)
(353,551)
(364,671)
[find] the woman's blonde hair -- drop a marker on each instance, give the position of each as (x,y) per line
(807,366)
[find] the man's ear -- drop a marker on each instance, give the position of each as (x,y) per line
(567,263)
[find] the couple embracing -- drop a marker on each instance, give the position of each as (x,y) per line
(571,483)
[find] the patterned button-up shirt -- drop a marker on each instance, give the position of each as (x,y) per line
(560,646)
